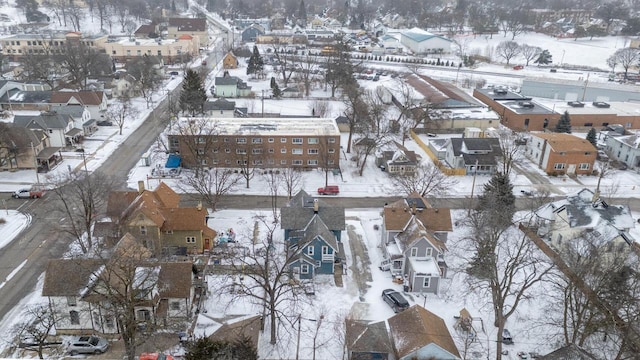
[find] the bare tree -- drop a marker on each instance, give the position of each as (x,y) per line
(305,66)
(75,14)
(321,108)
(626,57)
(249,160)
(143,69)
(121,110)
(267,279)
(530,53)
(291,180)
(81,198)
(508,50)
(213,184)
(426,180)
(35,329)
(285,65)
(79,60)
(510,148)
(355,110)
(339,71)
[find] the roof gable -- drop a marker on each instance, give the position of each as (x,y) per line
(299,211)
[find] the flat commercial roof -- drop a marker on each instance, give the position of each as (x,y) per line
(269,126)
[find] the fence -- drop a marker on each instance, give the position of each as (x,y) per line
(445,169)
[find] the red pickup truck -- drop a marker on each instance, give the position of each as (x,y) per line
(28,194)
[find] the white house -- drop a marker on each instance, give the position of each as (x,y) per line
(95,101)
(424,42)
(77,290)
(231,87)
(58,127)
(625,149)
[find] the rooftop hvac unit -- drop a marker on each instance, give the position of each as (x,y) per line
(526,104)
(575,104)
(500,91)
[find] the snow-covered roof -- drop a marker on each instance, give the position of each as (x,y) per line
(424,265)
(271,126)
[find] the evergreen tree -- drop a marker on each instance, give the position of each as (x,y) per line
(302,14)
(173,6)
(564,124)
(277,93)
(497,200)
(193,96)
(273,82)
(205,348)
(256,64)
(545,58)
(591,137)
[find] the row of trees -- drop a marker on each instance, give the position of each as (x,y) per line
(509,50)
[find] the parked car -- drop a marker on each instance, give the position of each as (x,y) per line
(385,265)
(87,345)
(518,67)
(104,123)
(329,190)
(394,299)
(28,194)
(174,73)
(506,337)
(155,356)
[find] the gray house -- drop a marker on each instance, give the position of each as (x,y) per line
(252,32)
(81,118)
(58,127)
(220,108)
(301,209)
(475,155)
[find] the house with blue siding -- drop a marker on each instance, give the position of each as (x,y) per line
(315,248)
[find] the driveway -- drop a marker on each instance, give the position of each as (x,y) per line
(360,262)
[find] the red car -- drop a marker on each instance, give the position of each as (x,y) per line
(155,356)
(518,67)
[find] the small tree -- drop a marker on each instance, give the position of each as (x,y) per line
(37,325)
(498,200)
(255,64)
(564,124)
(120,111)
(545,58)
(206,348)
(591,137)
(426,180)
(193,95)
(291,180)
(530,53)
(508,50)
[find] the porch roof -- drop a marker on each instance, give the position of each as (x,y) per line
(74,132)
(47,153)
(423,266)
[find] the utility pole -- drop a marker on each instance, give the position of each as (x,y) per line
(35,160)
(298,341)
(262,103)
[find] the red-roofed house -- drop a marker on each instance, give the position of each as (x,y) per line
(157,220)
(94,101)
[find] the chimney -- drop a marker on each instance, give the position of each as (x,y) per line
(199,206)
(140,187)
(315,206)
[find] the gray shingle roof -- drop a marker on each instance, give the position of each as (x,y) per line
(220,104)
(73,110)
(43,121)
(369,338)
(26,97)
(492,145)
(298,212)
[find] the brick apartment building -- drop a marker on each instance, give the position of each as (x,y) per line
(558,153)
(304,143)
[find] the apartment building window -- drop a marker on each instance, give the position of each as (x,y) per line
(332,140)
(296,141)
(113,52)
(227,161)
(558,166)
(139,52)
(28,43)
(296,162)
(312,151)
(296,151)
(256,151)
(271,151)
(283,140)
(226,140)
(241,162)
(74,317)
(191,239)
(128,52)
(241,140)
(312,162)
(200,151)
(331,151)
(270,140)
(71,301)
(203,161)
(270,161)
(228,151)
(283,162)
(312,140)
(159,52)
(584,166)
(215,151)
(256,140)
(283,151)
(257,162)
(330,162)
(241,151)
(40,42)
(201,140)
(214,162)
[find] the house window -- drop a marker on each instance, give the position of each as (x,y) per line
(429,251)
(74,317)
(256,140)
(312,140)
(283,140)
(332,140)
(296,151)
(304,269)
(175,305)
(414,252)
(310,250)
(427,282)
(584,166)
(559,166)
(270,140)
(71,301)
(108,322)
(169,232)
(241,140)
(296,162)
(312,151)
(296,141)
(143,230)
(312,162)
(191,239)
(144,315)
(325,250)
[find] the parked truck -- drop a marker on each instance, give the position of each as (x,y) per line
(28,193)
